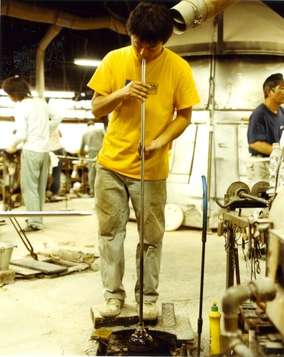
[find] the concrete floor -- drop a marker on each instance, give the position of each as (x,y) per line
(51,316)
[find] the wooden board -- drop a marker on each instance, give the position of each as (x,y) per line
(24,272)
(127,317)
(46,268)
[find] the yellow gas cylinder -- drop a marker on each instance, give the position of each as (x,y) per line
(215,330)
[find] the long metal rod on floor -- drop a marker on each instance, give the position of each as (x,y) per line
(204,235)
(141,229)
(75,158)
(44,213)
(21,233)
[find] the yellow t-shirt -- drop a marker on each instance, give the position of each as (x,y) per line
(175,89)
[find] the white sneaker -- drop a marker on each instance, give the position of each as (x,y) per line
(150,310)
(111,308)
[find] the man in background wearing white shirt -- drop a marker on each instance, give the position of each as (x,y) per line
(32,129)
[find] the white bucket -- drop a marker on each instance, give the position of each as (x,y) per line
(6,250)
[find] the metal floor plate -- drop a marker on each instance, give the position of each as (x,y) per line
(173,319)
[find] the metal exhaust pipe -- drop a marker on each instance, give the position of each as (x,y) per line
(191,13)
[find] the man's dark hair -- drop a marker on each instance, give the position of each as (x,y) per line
(151,23)
(16,87)
(271,82)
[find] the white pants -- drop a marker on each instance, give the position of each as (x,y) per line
(34,174)
(257,170)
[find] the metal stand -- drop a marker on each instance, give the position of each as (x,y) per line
(67,159)
(21,233)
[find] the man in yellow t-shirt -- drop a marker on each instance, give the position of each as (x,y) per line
(169,94)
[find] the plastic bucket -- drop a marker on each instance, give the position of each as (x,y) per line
(6,250)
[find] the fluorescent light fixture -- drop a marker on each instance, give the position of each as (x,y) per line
(59,94)
(7,112)
(87,62)
(48,93)
(6,102)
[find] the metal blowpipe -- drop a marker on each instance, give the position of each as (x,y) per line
(141,341)
(141,242)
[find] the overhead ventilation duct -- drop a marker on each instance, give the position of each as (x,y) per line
(58,20)
(31,12)
(191,13)
(52,32)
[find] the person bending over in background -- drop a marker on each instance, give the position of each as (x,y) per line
(118,90)
(32,129)
(265,127)
(91,144)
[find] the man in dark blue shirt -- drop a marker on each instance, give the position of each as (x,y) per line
(265,127)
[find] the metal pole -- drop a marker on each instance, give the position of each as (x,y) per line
(141,228)
(140,340)
(204,237)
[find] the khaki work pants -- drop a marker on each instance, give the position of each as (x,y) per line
(112,206)
(92,154)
